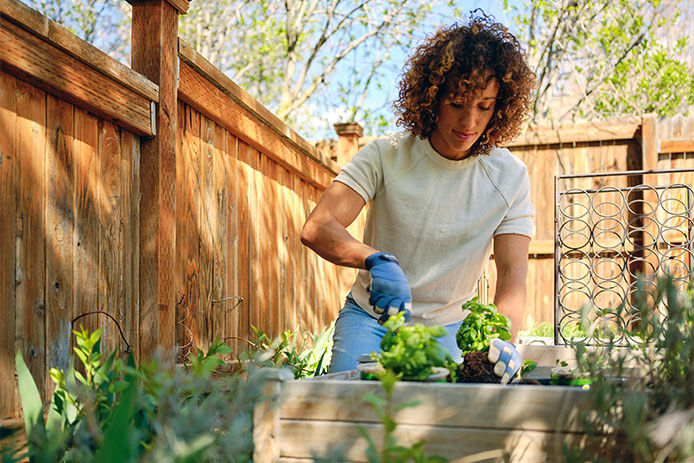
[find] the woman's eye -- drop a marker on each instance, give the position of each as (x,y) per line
(485,108)
(456,105)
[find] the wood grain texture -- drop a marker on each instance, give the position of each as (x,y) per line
(243,202)
(30,320)
(59,233)
(55,34)
(232,307)
(130,216)
(220,234)
(34,60)
(154,54)
(86,220)
(195,90)
(207,224)
(110,296)
(8,230)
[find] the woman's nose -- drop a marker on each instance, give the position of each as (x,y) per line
(468,118)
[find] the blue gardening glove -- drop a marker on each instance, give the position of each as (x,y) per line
(390,292)
(505,358)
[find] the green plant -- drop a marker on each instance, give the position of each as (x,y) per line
(411,352)
(482,325)
(642,394)
(390,450)
(305,354)
(527,367)
(117,411)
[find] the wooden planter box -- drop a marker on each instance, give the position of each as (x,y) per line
(461,422)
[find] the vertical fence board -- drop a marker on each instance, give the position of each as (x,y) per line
(219,228)
(271,229)
(30,322)
(243,173)
(231,244)
(110,237)
(191,204)
(86,236)
(208,218)
(182,336)
(8,211)
(130,186)
(59,233)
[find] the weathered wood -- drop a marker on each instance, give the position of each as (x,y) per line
(180,5)
(485,406)
(232,307)
(86,217)
(266,419)
(49,68)
(193,59)
(130,215)
(304,439)
(8,222)
(243,172)
(208,220)
(154,45)
(110,238)
(30,284)
(205,97)
(676,146)
(59,228)
(55,34)
(220,233)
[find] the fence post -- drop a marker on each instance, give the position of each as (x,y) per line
(347,142)
(155,55)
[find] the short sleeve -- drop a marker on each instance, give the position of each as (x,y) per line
(519,217)
(364,173)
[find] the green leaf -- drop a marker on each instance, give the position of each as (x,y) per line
(32,406)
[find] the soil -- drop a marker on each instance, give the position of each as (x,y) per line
(477,369)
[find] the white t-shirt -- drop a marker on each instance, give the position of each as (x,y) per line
(437,216)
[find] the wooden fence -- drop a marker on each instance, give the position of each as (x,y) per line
(167,198)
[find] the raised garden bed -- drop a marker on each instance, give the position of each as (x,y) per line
(494,422)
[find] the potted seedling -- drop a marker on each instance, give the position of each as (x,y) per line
(411,352)
(482,325)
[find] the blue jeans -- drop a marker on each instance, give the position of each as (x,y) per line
(357,333)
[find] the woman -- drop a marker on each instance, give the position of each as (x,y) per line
(441,194)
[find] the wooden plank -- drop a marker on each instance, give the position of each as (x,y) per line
(154,42)
(59,236)
(55,34)
(303,439)
(217,78)
(578,133)
(31,231)
(676,146)
(220,234)
(8,230)
(180,5)
(269,247)
(243,203)
(53,70)
(208,220)
(257,302)
(86,227)
(554,408)
(128,310)
(231,307)
(195,90)
(182,335)
(110,238)
(191,300)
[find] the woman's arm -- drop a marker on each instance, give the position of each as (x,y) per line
(511,258)
(325,230)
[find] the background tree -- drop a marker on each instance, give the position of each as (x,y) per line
(316,62)
(607,58)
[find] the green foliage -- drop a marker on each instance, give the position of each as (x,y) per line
(643,394)
(116,411)
(482,325)
(411,351)
(390,450)
(527,367)
(305,354)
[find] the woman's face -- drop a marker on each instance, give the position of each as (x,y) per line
(461,123)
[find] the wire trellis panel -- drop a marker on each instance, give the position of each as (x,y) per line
(611,229)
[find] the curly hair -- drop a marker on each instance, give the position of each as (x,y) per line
(454,63)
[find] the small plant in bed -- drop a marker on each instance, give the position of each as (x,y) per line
(483,324)
(412,352)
